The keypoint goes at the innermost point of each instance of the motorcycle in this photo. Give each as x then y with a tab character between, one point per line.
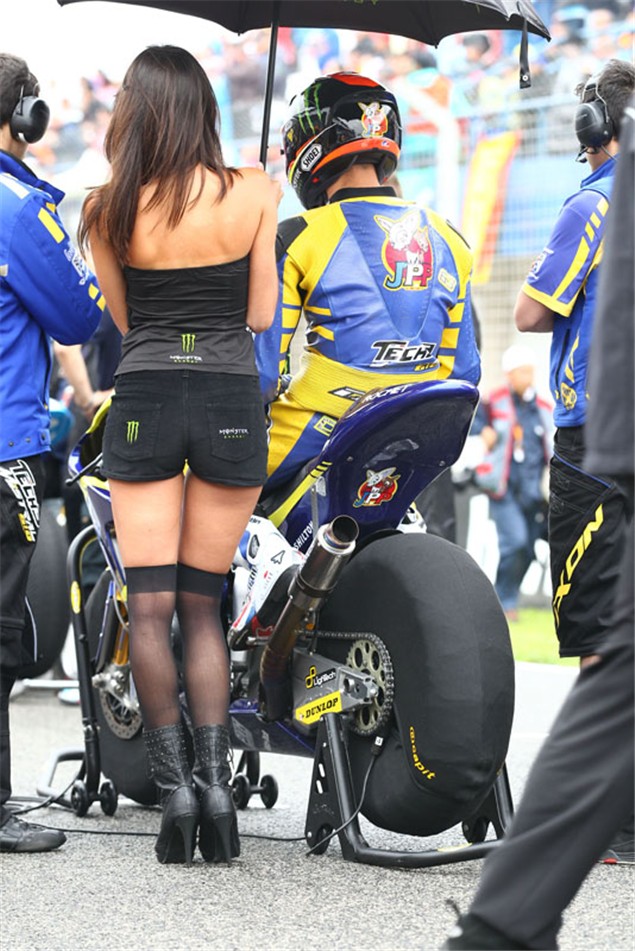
356	639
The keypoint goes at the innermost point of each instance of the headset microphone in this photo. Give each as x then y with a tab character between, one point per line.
30	118
581	156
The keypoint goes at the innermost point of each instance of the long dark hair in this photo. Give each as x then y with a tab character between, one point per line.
165	124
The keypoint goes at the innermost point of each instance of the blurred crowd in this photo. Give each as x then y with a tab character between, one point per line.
467	75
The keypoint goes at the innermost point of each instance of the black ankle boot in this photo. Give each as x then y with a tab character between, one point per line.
218	833
169	768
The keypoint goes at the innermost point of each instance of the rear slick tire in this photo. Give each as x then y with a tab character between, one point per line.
437	614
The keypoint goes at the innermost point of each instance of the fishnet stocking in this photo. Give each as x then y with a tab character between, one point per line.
152	661
205	658
205	655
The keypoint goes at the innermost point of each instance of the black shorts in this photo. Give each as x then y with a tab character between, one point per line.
160	420
587	516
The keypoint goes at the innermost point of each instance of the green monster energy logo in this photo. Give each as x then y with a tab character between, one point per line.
187	342
132	430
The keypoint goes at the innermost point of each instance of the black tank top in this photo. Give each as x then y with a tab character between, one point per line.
188	318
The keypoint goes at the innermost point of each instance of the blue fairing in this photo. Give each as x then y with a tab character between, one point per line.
381	455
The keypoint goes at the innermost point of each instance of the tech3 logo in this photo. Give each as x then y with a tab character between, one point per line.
19	479
574	558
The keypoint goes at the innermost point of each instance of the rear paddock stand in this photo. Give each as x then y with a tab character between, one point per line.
331	806
86	788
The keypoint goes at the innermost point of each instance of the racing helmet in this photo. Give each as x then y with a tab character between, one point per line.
338	120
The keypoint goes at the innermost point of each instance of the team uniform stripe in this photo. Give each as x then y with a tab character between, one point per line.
51	225
449	338
322	311
323	331
576	266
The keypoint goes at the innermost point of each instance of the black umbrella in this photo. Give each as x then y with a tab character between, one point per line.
426	21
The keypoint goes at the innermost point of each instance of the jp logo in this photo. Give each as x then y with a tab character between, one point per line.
407	252
379	487
374	118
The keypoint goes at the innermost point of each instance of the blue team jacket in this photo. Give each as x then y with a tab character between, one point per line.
46	291
565	279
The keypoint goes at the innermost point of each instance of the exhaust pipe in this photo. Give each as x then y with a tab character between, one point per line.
310	587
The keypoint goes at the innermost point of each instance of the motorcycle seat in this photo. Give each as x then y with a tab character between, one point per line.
439	411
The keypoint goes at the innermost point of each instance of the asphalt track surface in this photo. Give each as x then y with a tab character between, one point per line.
105	890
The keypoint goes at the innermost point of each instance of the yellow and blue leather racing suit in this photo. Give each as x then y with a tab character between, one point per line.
384	286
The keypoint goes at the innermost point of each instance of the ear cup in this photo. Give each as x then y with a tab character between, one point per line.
30	119
593	126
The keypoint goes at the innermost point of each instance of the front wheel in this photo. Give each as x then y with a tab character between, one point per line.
121	748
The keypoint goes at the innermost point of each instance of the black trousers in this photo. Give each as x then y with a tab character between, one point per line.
578	796
586	519
21	489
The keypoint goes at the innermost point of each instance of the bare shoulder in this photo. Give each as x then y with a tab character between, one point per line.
259	184
252	174
253	177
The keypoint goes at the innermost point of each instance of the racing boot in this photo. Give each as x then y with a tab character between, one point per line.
218	834
169	767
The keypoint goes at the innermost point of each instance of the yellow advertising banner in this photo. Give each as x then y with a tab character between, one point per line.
484	200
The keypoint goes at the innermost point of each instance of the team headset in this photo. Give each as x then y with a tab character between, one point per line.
30	118
593	125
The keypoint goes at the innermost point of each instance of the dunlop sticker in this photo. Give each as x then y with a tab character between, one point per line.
311	712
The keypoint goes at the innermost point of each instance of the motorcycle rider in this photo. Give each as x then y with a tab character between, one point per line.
384	284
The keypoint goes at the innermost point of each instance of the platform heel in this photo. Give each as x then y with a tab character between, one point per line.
169	768
218	839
